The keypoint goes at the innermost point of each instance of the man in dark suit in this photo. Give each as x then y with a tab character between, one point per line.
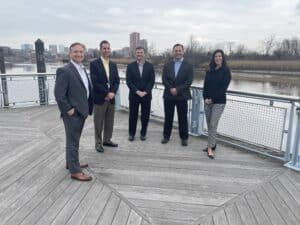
73	96
140	78
105	79
177	78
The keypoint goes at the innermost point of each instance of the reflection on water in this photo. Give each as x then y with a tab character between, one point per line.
269	84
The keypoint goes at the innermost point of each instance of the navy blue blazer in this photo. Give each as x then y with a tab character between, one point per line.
182	82
137	82
101	85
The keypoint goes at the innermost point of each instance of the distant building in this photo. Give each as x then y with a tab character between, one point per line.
125	52
62	49
143	43
26	47
53	49
134	42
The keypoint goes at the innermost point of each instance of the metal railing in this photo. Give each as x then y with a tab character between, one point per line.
261	123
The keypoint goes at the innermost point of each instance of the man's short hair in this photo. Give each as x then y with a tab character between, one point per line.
103	42
139	48
176	45
76	43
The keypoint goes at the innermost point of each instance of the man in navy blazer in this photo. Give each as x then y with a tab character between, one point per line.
105	79
73	95
140	78
177	78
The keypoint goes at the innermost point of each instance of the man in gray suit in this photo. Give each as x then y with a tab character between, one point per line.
73	96
177	78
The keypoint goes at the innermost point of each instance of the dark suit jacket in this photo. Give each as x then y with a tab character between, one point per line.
136	82
70	91
101	85
182	82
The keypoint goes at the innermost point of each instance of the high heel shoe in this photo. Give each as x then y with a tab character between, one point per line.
213	148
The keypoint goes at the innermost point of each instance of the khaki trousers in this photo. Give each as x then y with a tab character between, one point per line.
103	117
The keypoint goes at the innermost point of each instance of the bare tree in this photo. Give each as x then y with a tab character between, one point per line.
268	44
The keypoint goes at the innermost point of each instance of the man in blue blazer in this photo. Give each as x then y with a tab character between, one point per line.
177	78
140	78
105	79
73	95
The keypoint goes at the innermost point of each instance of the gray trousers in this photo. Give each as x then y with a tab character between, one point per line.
213	114
73	129
103	117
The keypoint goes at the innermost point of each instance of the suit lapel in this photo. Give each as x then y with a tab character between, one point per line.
75	71
103	68
172	69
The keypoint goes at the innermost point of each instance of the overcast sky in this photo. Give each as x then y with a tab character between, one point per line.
162	23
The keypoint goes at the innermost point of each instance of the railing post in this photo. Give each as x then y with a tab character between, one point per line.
196	126
289	136
118	100
41	68
295	162
3	79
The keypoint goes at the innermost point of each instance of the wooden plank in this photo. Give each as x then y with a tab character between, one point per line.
97	208
245	212
287	183
287	197
144	222
232	214
279	203
70	207
85	204
134	218
122	214
38	204
269	208
219	218
17	172
110	210
59	204
208	220
257	209
39	175
174	195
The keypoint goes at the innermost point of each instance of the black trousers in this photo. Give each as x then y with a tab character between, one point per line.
134	103
182	109
73	129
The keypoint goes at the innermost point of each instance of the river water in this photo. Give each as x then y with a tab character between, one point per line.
259	83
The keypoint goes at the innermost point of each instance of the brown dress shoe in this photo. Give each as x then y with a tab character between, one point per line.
84	165
81	177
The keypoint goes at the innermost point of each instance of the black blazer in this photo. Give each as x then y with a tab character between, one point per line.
136	82
70	91
101	85
182	82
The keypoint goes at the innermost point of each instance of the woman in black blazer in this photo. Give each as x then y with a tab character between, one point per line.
216	82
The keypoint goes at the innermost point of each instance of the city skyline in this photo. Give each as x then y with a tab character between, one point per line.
162	23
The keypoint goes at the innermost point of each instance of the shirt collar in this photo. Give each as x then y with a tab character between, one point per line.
103	59
178	60
78	66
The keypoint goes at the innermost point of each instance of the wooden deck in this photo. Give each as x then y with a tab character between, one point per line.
138	183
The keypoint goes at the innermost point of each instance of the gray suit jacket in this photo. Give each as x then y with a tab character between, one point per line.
70	91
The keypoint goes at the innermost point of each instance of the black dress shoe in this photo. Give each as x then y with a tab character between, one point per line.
143	138
184	142
131	138
100	148
213	148
165	140
85	165
110	144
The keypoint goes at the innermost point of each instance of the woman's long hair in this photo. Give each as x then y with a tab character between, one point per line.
212	64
